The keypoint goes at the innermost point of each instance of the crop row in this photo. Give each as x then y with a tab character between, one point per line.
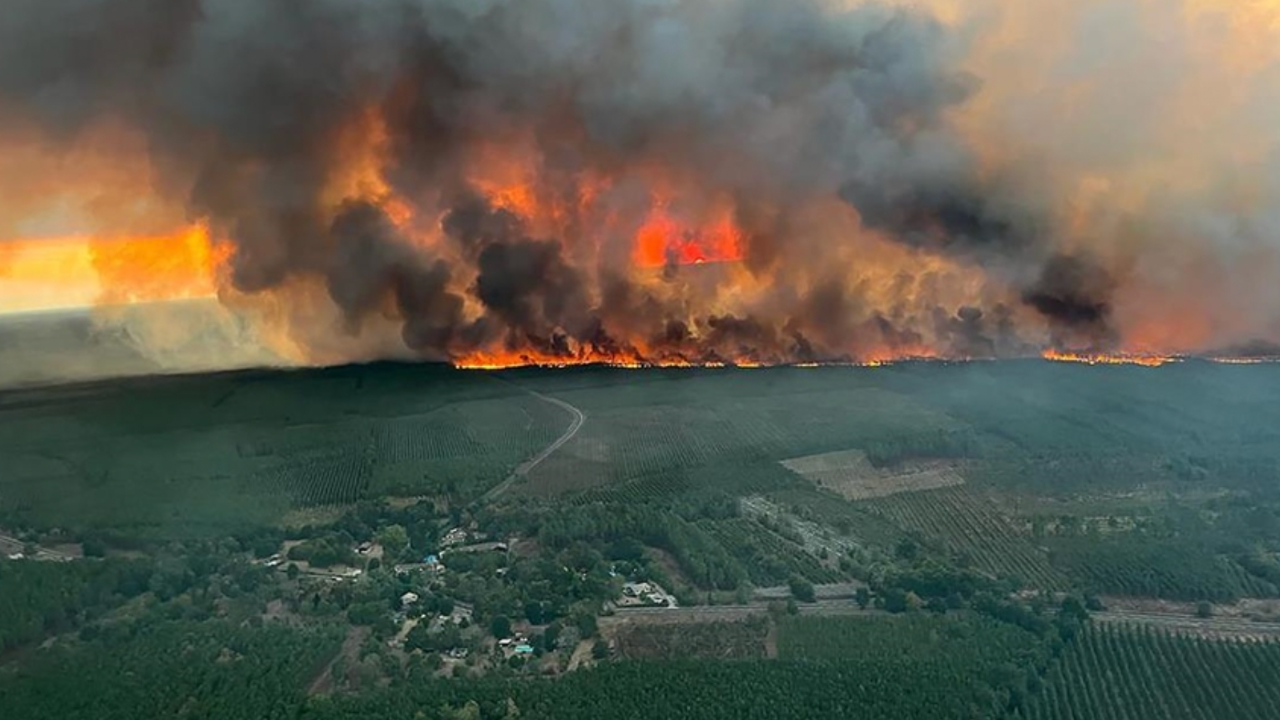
638	490
1150	568
338	480
769	558
1122	673
955	517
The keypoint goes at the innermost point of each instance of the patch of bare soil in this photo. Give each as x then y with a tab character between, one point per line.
581	655
850	474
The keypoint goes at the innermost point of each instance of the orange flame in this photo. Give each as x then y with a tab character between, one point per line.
663	240
1106	359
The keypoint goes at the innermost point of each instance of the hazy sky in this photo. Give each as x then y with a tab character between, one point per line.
46	275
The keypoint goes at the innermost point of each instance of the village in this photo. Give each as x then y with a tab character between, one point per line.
434	616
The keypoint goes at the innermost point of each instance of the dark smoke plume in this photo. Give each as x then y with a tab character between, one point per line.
248	107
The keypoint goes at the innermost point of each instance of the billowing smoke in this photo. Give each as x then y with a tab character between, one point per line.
671	180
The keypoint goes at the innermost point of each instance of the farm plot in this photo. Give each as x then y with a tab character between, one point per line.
626	444
1113	672
813	536
177	456
713	640
851	474
343	478
769	558
960	641
1155	568
721	437
941	667
645	489
968	526
828	510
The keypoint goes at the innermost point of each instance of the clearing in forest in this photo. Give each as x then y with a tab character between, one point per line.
850	474
724	639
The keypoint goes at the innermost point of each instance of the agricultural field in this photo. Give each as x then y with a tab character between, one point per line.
969	527
960	665
720	424
851	474
1136	673
1169	569
768	558
187	456
969	642
199	669
722	640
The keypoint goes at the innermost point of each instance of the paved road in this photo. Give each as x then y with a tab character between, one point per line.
527	466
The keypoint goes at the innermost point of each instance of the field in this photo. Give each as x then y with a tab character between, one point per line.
851	474
971	642
201	455
869	455
1118	673
968	526
716	640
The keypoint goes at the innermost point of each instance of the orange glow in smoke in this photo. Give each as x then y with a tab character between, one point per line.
662	240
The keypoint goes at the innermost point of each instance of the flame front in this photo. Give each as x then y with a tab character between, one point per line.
1105	359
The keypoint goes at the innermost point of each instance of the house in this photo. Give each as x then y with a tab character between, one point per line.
364	548
433	563
408	599
456	536
637	589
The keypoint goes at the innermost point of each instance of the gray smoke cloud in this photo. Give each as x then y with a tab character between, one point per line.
782	108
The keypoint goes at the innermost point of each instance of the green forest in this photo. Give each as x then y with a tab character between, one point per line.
1005	541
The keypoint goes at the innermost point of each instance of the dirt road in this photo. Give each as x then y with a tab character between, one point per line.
527	466
1219	628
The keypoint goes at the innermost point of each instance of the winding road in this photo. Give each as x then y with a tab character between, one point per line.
526	467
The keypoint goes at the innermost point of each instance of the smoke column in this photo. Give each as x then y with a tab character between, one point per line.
678	181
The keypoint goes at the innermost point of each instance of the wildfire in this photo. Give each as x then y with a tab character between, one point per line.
662	240
1108	359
